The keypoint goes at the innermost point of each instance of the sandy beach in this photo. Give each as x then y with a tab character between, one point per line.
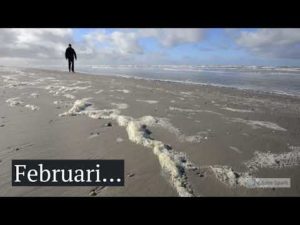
176	139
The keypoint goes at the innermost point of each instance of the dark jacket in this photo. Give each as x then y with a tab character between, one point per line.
70	53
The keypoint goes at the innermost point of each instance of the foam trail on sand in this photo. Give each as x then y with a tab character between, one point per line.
230	177
122	90
60	89
120	105
58	102
69	96
79	105
34	95
14	101
193	110
32	107
98	92
17	102
258	124
186	93
172	163
147	101
237	110
165	123
235	149
273	160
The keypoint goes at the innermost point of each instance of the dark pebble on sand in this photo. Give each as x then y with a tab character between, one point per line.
108	124
183	160
17	149
200	174
168	147
236	175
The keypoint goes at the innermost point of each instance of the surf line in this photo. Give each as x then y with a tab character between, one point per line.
173	163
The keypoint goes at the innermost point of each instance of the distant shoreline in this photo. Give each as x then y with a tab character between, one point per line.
254	91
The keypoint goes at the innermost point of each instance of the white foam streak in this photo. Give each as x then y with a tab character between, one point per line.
32	107
193	110
237	110
14	101
230	177
258	124
79	105
172	163
147	101
120	105
273	160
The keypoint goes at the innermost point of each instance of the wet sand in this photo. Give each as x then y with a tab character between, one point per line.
176	139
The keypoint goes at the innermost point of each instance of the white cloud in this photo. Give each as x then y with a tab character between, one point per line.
170	37
34	43
100	36
118	42
126	42
30	46
277	43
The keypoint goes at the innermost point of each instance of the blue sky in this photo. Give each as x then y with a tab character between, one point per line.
274	47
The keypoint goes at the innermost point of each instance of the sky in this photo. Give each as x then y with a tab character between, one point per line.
159	46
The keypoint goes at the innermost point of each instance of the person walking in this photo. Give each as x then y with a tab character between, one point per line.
70	55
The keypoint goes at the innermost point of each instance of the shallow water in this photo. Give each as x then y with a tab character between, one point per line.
280	80
277	80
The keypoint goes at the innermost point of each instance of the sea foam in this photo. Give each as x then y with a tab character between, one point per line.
273	160
232	178
258	124
173	163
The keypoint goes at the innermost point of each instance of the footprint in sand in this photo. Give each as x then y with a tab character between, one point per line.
109	124
95	191
94	134
130	175
201	173
19	147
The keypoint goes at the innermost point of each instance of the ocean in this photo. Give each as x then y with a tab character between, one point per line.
280	80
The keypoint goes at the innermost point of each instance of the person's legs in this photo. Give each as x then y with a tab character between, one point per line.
73	65
69	61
